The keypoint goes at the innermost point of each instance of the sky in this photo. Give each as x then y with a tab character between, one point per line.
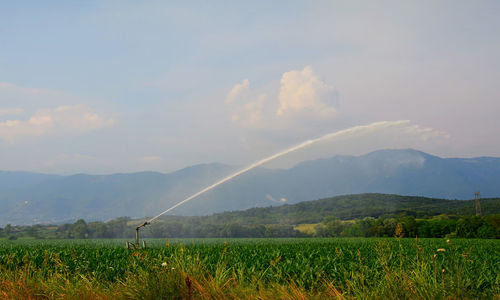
124	86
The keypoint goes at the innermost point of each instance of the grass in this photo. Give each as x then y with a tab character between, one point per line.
251	269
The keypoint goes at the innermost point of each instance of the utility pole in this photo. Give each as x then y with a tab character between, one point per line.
477	196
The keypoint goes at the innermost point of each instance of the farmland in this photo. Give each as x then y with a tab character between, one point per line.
251	268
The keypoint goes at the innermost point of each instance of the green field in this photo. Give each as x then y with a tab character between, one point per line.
251	268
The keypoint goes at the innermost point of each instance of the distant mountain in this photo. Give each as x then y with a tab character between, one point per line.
403	172
102	197
30	198
10	180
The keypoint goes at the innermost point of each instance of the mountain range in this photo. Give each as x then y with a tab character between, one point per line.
28	198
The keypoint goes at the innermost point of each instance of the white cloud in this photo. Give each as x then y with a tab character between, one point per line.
303	92
302	95
10	111
271	198
246	109
237	90
59	121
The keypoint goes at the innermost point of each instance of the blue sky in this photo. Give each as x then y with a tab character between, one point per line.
122	86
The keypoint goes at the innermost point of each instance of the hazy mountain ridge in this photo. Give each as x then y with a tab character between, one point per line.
11	180
52	198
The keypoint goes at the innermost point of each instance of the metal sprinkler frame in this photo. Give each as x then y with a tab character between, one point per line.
136	244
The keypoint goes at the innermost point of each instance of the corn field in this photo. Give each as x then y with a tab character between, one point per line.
308	268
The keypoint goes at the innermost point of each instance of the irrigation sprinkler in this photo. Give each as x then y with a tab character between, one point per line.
136	244
352	130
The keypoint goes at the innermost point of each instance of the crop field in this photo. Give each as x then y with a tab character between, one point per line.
306	268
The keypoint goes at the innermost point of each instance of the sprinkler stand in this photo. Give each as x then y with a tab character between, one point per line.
136	244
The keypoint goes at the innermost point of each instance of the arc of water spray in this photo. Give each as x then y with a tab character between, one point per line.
375	125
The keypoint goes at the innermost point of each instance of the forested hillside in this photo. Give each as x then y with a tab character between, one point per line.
351	215
349	207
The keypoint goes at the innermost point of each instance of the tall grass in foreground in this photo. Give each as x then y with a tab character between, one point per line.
255	269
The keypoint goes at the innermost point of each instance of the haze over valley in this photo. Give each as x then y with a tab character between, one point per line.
30	198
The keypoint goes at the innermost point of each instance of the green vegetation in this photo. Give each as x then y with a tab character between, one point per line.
365	215
359	206
251	268
65	262
408	226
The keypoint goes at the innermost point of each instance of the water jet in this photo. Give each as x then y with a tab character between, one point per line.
352	130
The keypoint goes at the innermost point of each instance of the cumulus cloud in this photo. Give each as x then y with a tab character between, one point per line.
238	90
301	95
303	92
246	109
60	120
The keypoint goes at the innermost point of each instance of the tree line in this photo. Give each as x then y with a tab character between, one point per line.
407	226
330	226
